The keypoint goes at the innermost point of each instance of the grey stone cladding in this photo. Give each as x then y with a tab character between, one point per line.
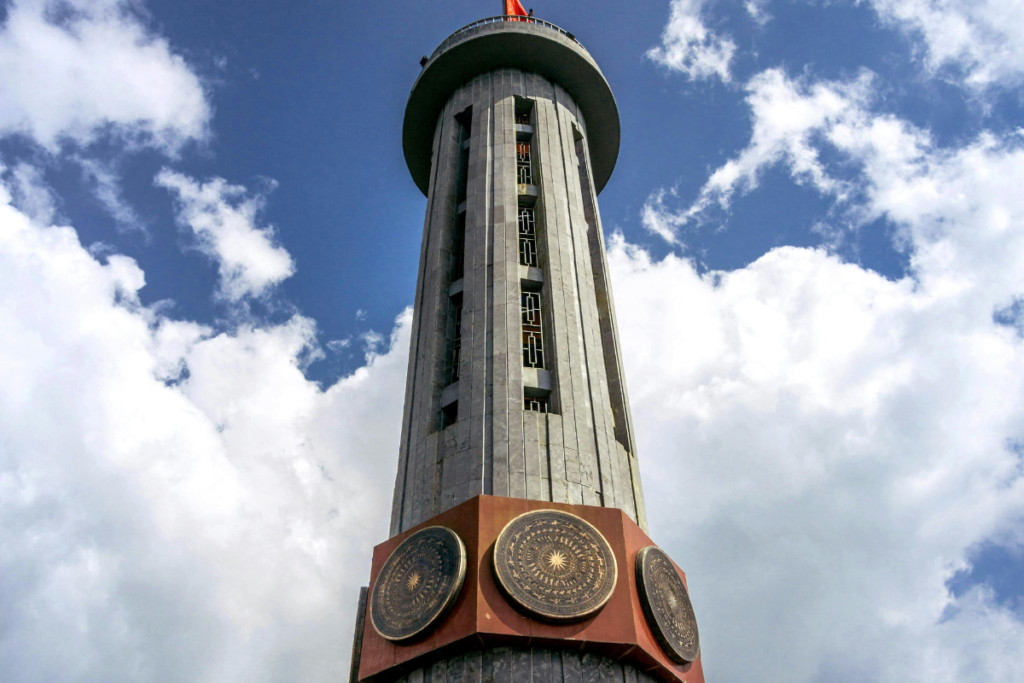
525	665
583	450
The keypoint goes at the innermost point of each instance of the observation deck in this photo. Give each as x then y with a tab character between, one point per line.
525	43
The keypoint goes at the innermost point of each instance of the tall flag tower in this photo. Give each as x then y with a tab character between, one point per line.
518	549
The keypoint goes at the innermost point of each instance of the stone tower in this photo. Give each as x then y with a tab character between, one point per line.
515	397
515	384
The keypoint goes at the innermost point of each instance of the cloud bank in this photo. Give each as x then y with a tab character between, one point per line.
849	441
178	503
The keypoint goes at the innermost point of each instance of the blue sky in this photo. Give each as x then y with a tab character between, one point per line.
208	248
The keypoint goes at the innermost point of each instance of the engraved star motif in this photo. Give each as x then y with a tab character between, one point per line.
412	581
556	559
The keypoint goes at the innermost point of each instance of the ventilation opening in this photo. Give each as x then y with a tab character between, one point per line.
449	415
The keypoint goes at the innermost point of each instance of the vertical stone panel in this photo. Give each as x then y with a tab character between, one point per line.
532	453
501	665
504	221
589	353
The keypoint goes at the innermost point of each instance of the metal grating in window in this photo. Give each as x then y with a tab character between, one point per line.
457	344
527	238
537	405
533	342
524	166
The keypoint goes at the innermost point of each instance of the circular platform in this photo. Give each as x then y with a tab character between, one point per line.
418	583
555	565
534	46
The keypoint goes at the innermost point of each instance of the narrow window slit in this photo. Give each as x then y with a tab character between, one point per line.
449	415
524	164
456	357
527	237
533	340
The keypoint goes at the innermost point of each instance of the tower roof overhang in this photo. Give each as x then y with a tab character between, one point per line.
534	46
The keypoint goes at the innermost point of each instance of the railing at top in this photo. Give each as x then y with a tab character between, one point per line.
494	20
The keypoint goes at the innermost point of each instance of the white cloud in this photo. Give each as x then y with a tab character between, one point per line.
106	187
31	194
846	438
103	71
984	39
821	448
978	42
690	47
178	504
223	219
787	115
757	9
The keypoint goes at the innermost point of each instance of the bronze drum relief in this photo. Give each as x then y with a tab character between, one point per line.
418	583
667	605
554	565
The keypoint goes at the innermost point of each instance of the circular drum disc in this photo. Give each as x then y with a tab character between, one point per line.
418	584
667	605
555	565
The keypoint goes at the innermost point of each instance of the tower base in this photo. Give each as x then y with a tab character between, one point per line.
484	631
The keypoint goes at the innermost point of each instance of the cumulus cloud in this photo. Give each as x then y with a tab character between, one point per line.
787	116
690	47
179	503
822	448
849	439
223	218
983	40
104	72
978	42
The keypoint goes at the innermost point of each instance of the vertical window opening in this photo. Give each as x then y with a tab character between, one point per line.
524	163
459	247
455	359
465	121
533	333
612	366
524	142
449	415
528	237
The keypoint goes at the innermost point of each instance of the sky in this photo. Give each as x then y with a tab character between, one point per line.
208	249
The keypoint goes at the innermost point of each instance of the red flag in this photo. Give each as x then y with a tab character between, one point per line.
515	8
